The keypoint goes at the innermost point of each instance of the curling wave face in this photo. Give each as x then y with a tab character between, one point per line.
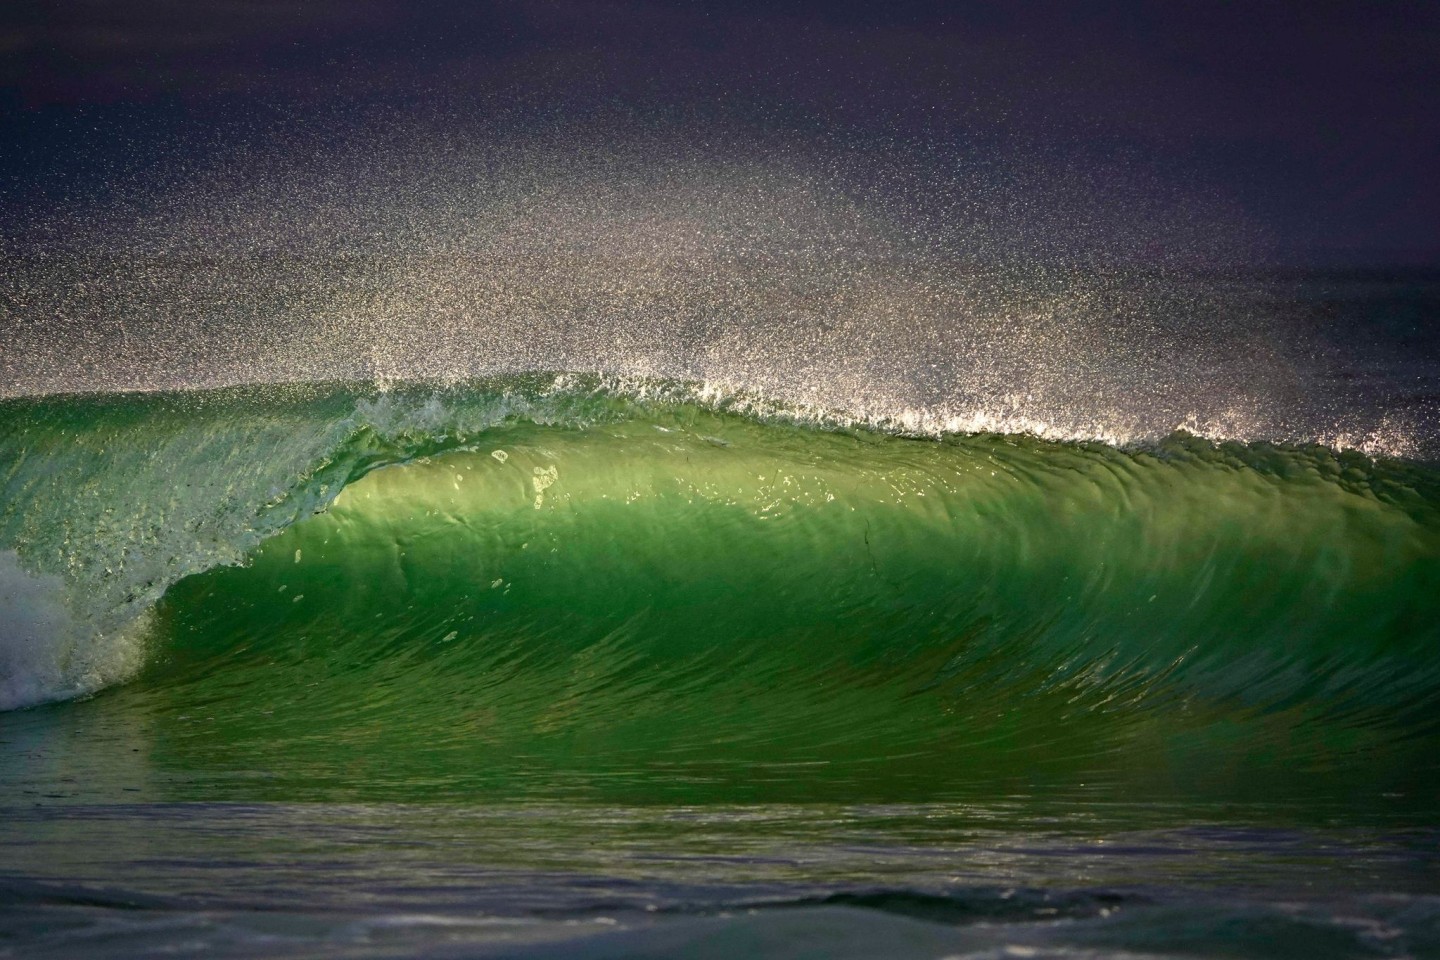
570	587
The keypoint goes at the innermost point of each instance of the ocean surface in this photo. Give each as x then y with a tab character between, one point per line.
576	661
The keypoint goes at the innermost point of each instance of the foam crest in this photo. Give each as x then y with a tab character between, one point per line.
44	653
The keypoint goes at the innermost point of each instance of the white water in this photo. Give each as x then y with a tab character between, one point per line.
44	653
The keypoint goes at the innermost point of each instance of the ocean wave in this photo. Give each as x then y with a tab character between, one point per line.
713	537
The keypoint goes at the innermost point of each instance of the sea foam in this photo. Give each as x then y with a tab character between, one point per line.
40	658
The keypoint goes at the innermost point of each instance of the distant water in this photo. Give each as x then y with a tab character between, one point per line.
611	666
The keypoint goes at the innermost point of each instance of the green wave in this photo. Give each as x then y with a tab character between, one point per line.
561	587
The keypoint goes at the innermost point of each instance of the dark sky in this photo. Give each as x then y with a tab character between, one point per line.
1317	118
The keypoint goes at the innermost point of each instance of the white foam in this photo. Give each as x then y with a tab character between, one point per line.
45	653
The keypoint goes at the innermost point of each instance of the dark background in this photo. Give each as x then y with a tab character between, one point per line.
1317	119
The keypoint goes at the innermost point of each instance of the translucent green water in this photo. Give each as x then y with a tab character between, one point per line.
544	600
